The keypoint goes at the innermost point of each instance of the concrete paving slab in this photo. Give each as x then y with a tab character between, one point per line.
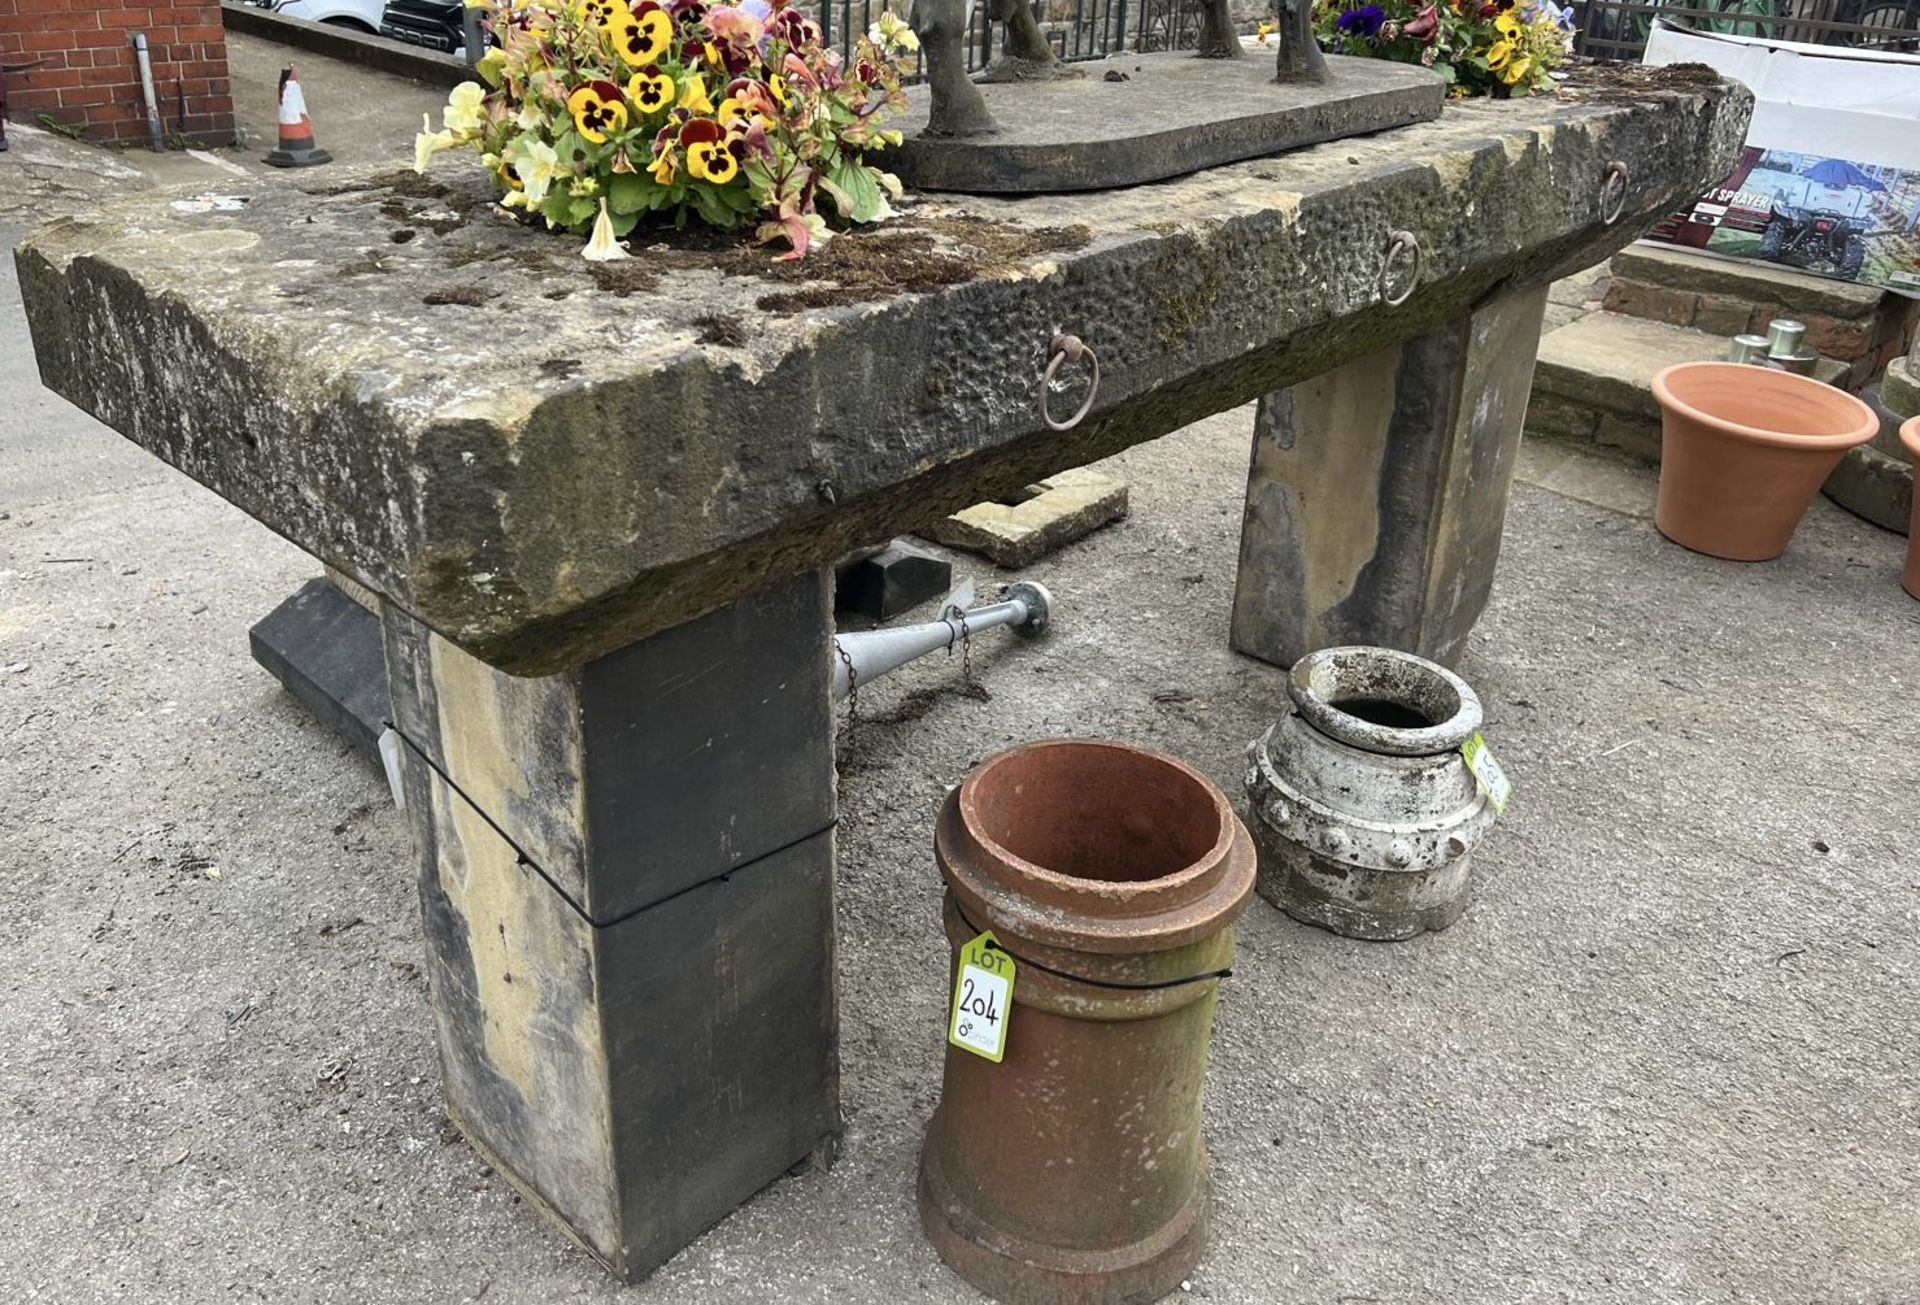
1608	482
1607	360
1594	379
1045	518
1664	1057
1582	290
1559	315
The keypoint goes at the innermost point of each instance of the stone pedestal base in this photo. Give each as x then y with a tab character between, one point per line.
626	884
1378	491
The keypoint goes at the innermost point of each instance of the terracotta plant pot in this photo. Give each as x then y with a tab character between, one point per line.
1073	1172
1743	450
1910	578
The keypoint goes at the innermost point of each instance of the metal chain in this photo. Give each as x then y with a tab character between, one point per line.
853	697
970	687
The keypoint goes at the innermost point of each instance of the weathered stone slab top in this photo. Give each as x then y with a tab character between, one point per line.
1146	117
545	459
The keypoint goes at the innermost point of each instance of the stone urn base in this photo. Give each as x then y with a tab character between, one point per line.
1875	481
1910	579
1360	803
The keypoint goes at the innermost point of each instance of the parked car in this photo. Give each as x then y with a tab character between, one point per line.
361	15
431	24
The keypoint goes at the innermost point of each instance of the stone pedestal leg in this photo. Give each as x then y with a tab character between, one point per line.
1378	490
626	881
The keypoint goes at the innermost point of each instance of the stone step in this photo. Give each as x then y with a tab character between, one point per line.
1722	281
1594	379
1862	326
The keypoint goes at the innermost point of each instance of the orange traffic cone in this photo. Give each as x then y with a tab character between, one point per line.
297	149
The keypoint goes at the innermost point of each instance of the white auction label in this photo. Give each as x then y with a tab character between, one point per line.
1486	769
982	999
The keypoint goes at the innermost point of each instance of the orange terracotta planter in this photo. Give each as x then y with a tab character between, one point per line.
1743	450
1910	578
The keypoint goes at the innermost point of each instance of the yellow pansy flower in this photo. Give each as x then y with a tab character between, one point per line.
537	165
640	39
693	95
597	111
429	142
712	161
492	65
733	108
892	30
650	92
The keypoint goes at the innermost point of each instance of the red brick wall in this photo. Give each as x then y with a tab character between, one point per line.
73	61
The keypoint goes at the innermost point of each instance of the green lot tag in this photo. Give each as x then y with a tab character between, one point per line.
982	999
1493	779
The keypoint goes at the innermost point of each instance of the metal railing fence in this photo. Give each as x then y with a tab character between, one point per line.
1618	29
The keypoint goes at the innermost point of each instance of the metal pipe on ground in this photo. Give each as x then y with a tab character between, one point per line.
863	657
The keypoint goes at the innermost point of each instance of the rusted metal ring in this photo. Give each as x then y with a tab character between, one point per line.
1069	349
1402	246
1613	193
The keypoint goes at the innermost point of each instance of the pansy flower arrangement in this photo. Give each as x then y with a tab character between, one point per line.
1479	47
596	114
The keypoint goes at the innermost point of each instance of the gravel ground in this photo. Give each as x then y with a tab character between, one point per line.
1667	1055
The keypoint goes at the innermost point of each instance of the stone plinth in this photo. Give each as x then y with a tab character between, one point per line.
544	466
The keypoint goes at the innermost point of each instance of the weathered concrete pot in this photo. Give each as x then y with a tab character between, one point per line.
1073	1171
1875	480
1743	450
1362	807
1910	578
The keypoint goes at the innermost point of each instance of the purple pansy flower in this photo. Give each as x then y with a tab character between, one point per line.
1364	21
